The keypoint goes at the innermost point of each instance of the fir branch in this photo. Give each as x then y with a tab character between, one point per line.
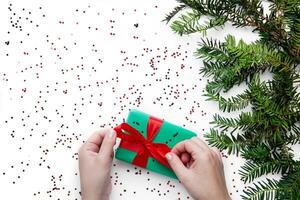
289	185
258	153
233	103
211	23
294	135
224	123
174	12
187	23
264	134
222	141
211	50
262	190
250	170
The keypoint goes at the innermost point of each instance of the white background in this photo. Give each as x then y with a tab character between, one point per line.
38	156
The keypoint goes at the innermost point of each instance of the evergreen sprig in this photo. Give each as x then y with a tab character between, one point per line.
252	170
232	144
263	135
267	189
233	103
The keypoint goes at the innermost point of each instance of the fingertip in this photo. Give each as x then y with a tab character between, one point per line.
110	136
169	156
108	143
112	133
176	164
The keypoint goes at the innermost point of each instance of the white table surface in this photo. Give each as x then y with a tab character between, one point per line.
72	67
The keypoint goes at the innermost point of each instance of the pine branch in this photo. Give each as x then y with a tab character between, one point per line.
222	141
262	190
187	23
174	12
233	103
252	170
289	185
265	134
211	23
224	123
211	50
294	135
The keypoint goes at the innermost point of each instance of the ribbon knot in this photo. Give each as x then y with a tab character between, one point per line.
133	140
148	144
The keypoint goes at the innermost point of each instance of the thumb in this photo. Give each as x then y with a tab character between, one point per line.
106	149
176	164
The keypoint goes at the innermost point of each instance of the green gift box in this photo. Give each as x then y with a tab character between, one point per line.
166	136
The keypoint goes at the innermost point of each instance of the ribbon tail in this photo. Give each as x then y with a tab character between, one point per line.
141	159
159	151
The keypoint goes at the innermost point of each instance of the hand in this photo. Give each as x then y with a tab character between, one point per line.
95	159
200	169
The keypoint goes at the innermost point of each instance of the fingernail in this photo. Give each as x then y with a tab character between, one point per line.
112	133
169	156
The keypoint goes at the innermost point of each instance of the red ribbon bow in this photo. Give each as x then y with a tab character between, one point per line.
144	147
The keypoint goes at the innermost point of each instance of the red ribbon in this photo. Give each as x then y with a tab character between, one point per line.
144	147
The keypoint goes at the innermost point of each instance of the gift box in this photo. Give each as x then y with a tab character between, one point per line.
146	139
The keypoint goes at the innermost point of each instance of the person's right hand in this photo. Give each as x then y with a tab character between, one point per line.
199	168
95	160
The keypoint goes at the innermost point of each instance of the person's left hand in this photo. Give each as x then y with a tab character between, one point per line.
95	159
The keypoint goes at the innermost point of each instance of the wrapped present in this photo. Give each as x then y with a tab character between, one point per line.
146	139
